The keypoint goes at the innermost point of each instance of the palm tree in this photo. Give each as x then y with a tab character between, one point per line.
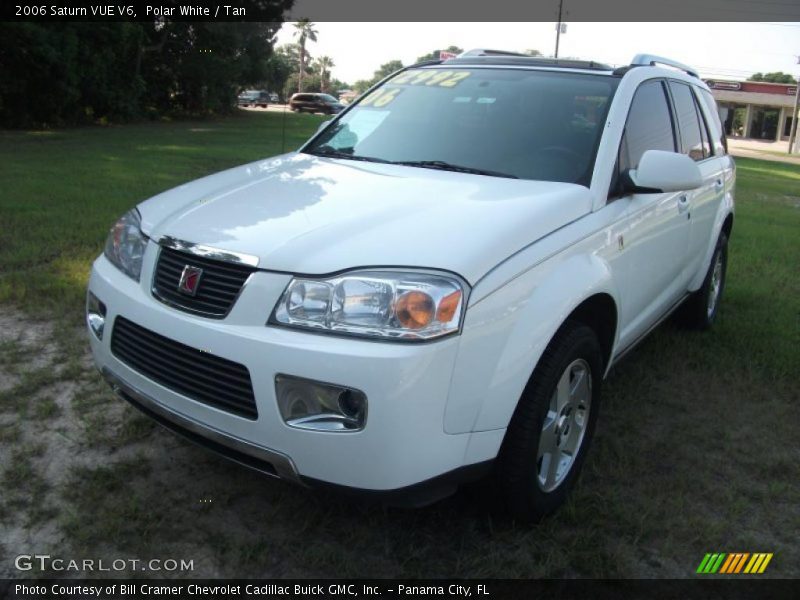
325	64
304	30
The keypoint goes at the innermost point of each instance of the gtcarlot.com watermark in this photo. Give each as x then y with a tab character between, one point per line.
48	563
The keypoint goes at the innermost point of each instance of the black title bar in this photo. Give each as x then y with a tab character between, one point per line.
401	11
253	589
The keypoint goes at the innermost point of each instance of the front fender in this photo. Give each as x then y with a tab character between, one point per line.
506	332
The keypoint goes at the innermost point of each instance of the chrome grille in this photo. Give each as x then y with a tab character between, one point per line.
217	291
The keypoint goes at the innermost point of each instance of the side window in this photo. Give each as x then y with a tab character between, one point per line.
714	122
693	142
649	125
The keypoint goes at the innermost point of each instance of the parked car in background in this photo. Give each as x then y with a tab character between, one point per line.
315	103
347	96
434	287
258	98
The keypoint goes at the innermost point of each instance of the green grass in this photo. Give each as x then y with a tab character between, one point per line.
62	190
696	449
776	153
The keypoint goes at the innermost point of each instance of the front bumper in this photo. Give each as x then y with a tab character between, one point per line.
403	442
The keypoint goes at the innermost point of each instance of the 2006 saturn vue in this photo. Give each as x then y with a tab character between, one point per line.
434	286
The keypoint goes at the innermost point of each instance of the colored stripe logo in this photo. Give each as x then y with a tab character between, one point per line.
734	563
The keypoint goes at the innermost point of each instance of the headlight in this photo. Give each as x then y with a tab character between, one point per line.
404	306
126	243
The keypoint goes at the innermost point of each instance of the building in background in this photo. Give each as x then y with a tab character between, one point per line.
755	109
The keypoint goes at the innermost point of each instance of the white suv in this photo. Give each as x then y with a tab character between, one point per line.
434	286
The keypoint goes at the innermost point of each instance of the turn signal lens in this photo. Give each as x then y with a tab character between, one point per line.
448	307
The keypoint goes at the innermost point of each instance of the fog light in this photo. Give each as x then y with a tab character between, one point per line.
95	315
307	404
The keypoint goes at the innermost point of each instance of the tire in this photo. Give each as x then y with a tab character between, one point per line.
546	423
700	309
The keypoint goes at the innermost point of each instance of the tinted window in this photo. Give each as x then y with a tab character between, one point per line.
714	122
690	127
649	125
526	123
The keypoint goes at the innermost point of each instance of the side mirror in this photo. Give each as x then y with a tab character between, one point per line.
323	125
661	171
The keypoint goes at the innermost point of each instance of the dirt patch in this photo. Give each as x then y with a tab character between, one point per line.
84	475
46	381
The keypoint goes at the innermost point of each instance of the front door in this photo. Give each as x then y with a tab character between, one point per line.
656	236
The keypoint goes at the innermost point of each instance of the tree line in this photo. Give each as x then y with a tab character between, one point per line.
71	73
774	77
56	74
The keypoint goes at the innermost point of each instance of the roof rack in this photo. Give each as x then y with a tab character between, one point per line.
487	52
504	58
651	60
528	61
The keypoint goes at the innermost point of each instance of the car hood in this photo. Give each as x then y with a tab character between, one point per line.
304	214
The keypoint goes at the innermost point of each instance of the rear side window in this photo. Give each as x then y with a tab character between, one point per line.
693	142
649	125
714	121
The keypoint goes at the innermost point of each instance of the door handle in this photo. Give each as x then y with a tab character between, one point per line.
683	203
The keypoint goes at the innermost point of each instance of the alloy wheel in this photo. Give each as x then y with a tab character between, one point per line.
564	425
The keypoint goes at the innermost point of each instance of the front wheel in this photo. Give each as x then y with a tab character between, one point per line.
549	434
701	307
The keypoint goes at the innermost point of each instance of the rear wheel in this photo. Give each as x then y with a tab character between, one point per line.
701	308
551	429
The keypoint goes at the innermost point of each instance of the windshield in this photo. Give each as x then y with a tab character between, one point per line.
529	124
328	98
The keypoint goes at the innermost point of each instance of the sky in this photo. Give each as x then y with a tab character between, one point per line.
718	50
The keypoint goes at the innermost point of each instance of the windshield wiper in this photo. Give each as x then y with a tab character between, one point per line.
329	152
446	166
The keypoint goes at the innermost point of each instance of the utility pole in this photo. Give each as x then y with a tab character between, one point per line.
558	25
793	136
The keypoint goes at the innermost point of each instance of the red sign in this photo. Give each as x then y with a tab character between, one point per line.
725	85
446	55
